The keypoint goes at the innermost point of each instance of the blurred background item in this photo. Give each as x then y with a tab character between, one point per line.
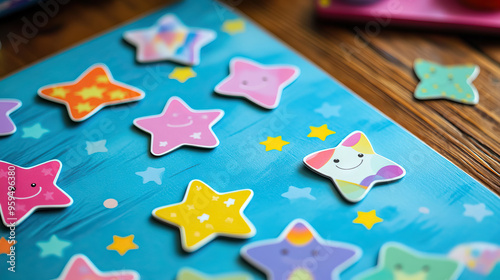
483	4
9	6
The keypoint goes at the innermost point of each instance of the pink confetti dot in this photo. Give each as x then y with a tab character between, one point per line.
110	203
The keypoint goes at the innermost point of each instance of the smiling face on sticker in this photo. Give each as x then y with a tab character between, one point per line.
354	166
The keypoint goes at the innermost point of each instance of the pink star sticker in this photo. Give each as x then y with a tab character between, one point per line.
29	183
174	127
169	39
260	84
80	267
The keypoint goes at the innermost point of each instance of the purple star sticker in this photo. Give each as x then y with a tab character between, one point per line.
291	254
7	106
260	84
179	125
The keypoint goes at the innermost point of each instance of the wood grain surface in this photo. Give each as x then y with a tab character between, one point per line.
373	59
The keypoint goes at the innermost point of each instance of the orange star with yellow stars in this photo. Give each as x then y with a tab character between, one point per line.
90	92
5	246
205	214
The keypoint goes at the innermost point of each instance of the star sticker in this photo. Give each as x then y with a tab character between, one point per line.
5	245
275	143
320	132
354	167
260	84
176	124
123	244
88	94
30	182
478	211
191	274
151	175
396	261
446	82
368	219
295	193
96	147
233	26
328	110
182	74
53	247
197	203
7	106
35	131
291	254
80	267
169	39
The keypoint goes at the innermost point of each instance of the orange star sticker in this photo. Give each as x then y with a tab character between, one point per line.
94	89
5	246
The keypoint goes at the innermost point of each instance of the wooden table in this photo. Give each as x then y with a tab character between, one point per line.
375	65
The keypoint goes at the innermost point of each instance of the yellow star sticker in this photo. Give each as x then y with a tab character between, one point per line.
102	79
368	219
83	107
233	26
117	94
90	92
201	219
123	244
275	143
182	74
320	132
59	92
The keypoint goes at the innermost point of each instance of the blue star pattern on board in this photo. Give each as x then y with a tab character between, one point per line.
328	110
96	147
151	175
35	131
295	193
477	211
53	247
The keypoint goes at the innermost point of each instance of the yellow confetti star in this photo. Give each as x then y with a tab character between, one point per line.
182	74
275	143
91	92
123	244
117	94
368	219
201	219
233	26
320	132
83	107
59	92
102	79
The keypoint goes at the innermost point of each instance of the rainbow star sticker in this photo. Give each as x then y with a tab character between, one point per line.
205	214
90	92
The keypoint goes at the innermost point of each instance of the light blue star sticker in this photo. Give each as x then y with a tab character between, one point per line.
151	174
54	246
328	110
96	147
478	211
295	193
36	131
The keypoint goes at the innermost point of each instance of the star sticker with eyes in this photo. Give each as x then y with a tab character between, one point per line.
27	186
179	125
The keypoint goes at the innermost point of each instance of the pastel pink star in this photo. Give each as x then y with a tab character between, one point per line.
80	267
30	184
260	84
177	124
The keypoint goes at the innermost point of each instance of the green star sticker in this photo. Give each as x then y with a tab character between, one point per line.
54	246
400	262
191	274
446	82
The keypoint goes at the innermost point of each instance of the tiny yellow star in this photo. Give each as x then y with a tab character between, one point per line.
102	79
368	219
182	74
320	132
233	26
122	244
59	92
91	92
83	107
117	94
275	143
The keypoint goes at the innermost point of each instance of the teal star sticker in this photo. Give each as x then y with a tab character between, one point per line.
54	246
296	193
400	262
191	274
446	82
151	175
35	131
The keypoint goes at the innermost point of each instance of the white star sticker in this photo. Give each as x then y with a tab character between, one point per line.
196	135
229	202
203	217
